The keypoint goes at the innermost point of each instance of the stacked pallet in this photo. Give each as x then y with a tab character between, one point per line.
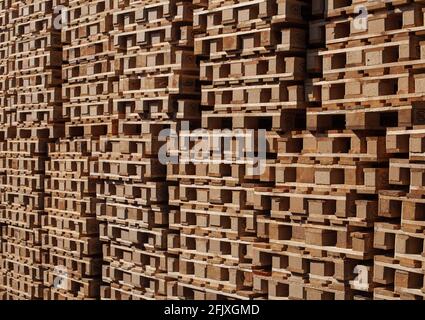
325	201
72	239
157	89
252	70
5	47
33	105
282	266
368	85
398	268
89	84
